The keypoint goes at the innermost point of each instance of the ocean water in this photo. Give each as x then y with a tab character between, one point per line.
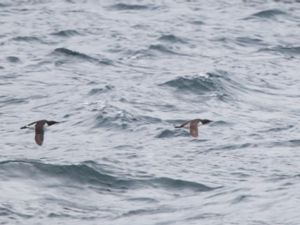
119	75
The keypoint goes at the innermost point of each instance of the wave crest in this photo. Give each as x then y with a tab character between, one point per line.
90	173
70	54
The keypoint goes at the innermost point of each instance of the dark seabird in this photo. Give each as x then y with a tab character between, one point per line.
193	125
39	129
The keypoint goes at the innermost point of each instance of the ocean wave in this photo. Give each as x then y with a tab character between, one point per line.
278	129
246	41
287	50
124	6
199	84
172	133
101	90
4	5
27	39
13	59
174	184
66	33
112	117
11	100
271	13
171	38
78	55
217	84
166	134
90	173
147	211
7	211
68	52
165	49
81	174
285	143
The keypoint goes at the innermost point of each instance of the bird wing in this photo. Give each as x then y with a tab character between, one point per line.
182	125
194	128
39	133
28	125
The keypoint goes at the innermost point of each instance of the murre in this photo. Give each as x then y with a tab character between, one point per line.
39	129
193	125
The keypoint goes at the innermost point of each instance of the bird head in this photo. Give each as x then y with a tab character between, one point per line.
51	122
205	121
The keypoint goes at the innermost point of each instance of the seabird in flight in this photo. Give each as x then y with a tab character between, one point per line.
39	129
193	125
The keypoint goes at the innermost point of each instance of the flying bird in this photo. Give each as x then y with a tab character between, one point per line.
193	125
39	129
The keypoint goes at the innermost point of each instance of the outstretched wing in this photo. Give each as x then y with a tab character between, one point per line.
39	133
194	128
28	125
182	125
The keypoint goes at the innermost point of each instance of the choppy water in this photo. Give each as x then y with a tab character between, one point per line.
120	75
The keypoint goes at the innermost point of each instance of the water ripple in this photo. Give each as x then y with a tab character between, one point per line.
124	6
288	50
27	39
13	59
271	13
70	54
171	38
66	33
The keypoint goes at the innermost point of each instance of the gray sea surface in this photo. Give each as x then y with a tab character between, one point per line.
119	75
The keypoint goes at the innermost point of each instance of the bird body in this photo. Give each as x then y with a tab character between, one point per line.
192	125
39	127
